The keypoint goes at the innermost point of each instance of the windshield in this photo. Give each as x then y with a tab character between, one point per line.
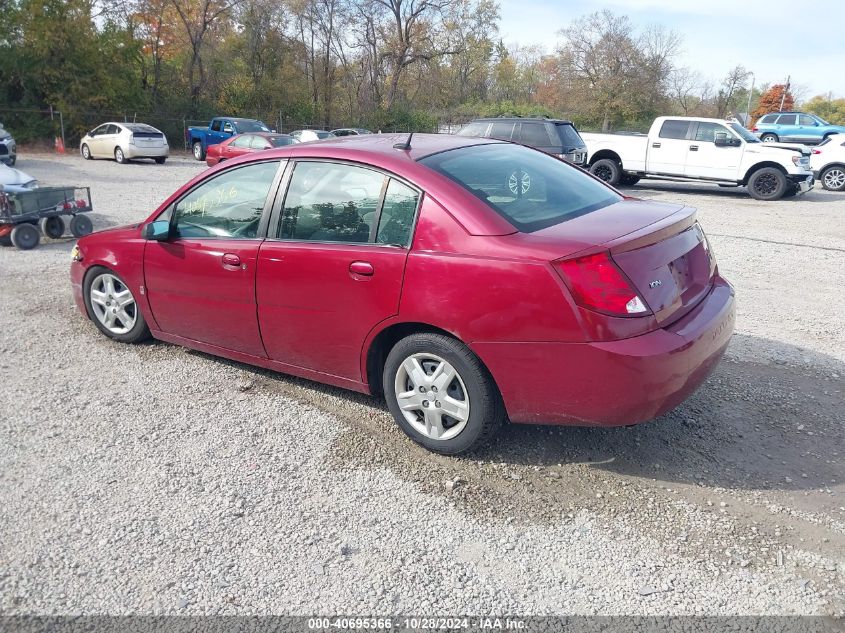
747	136
246	125
529	188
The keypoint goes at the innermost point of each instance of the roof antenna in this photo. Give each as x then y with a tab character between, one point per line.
406	145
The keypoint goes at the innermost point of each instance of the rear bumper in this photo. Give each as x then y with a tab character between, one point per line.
133	151
613	383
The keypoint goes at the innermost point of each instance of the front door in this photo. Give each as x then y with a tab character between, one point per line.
201	283
333	267
707	160
667	154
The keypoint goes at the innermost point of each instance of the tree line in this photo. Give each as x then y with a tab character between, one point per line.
383	64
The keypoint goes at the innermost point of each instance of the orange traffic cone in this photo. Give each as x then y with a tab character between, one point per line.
60	147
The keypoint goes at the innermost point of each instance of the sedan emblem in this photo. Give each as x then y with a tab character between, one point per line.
655	283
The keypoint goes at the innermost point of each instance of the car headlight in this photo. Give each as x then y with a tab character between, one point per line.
76	253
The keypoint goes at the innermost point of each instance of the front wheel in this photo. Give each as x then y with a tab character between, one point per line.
833	178
112	307
119	156
199	153
440	394
769	138
768	183
607	170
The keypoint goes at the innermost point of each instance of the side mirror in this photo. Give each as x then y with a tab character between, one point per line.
158	231
721	139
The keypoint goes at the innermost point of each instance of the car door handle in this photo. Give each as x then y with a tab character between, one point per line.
693	148
655	145
362	268
230	259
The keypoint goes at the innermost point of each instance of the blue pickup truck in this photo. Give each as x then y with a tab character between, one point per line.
220	128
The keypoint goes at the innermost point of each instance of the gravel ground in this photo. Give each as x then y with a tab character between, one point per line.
151	479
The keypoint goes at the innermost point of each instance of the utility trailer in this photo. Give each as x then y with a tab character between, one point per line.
26	214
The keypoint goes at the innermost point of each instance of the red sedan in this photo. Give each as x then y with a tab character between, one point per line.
242	144
470	281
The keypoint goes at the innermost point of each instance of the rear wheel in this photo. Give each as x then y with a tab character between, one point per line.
833	178
768	183
607	170
25	237
86	152
769	138
199	152
112	307
119	156
440	394
80	225
53	227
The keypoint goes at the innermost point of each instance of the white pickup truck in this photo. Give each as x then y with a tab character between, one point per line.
701	150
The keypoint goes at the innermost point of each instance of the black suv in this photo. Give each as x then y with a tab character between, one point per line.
553	136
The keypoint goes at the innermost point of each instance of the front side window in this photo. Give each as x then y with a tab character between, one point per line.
806	120
100	130
787	119
396	222
528	188
331	202
227	128
674	129
244	140
228	205
706	132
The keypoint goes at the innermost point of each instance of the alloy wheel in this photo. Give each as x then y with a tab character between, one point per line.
834	179
766	184
432	396
113	304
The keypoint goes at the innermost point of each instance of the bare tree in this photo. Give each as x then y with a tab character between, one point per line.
684	87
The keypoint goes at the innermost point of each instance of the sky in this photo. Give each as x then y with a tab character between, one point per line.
773	39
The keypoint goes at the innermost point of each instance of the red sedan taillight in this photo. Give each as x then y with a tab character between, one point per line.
597	284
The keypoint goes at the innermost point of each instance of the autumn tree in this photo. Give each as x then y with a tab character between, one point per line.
830	109
770	101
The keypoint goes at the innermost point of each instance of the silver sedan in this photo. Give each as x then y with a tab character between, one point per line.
124	142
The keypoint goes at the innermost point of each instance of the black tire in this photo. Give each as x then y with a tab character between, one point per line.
473	383
53	227
160	161
119	156
25	237
768	183
833	178
199	152
769	138
139	331
86	152
629	180
80	225
607	170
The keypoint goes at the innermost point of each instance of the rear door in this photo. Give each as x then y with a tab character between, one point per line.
201	284
787	128
707	160
334	265
667	154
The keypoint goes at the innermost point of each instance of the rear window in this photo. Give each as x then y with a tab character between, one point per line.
474	129
530	189
324	135
141	130
787	119
281	141
674	129
569	137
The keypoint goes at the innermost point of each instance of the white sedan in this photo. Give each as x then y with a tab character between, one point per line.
828	162
124	142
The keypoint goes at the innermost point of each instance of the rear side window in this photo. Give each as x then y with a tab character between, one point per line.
474	129
787	119
674	129
397	214
215	125
501	131
769	118
569	137
530	189
534	134
242	141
